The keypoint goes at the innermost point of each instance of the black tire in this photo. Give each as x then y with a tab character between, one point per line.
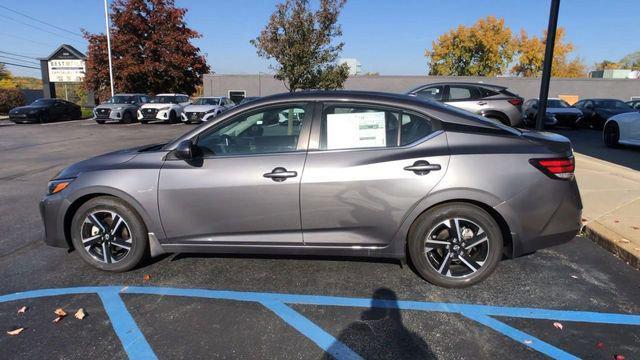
172	117
127	118
44	118
136	231
611	135
144	121
487	252
100	121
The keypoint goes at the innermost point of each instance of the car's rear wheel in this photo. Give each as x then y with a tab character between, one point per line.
611	135
108	234
455	245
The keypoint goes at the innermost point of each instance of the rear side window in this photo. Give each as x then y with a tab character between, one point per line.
414	128
353	127
463	92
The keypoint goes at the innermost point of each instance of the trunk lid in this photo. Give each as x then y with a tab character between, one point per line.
554	142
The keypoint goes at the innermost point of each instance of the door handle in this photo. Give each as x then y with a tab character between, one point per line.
482	103
280	174
422	167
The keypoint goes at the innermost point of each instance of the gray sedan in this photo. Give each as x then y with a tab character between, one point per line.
326	173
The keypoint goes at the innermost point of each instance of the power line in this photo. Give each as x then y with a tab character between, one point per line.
24	66
42	22
20	55
24	39
18	59
38	28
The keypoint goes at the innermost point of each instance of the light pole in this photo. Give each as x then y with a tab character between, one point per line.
548	60
106	21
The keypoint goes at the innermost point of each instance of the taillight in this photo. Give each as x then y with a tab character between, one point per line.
556	168
515	101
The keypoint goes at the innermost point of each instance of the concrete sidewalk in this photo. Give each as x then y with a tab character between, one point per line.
611	199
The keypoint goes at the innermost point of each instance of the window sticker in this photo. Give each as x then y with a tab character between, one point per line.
356	130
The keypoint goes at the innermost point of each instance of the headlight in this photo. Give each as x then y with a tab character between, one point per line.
164	108
55	186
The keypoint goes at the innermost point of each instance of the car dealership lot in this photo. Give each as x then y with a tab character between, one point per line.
578	276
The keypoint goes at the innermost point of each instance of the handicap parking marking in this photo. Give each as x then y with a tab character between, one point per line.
136	346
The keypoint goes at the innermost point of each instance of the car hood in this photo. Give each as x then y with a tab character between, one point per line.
112	106
200	108
22	109
101	162
573	111
156	106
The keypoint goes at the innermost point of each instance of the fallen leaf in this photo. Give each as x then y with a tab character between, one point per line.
600	345
57	319
616	221
573	276
60	312
624	241
557	325
146	278
528	342
22	310
80	314
618	357
584	220
637	249
15	332
635	228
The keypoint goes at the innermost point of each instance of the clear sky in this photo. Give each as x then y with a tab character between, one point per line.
388	37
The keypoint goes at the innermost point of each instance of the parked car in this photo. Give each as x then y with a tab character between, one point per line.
491	101
363	174
45	110
622	129
559	113
634	104
206	108
121	108
597	111
247	99
165	107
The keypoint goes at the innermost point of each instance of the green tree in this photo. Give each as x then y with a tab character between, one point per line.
301	41
151	47
608	65
3	71
484	49
530	56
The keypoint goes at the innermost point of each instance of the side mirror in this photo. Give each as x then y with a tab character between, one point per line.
187	150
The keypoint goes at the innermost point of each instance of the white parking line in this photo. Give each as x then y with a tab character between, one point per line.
65	122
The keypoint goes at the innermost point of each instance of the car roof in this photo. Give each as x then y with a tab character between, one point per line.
130	94
172	95
491	86
598	99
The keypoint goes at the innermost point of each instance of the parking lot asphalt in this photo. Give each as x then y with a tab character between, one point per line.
226	306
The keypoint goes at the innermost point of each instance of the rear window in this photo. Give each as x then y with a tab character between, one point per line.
509	93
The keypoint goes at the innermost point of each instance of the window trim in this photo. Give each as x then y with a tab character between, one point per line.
303	137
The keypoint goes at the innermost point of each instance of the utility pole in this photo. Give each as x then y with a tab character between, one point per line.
106	20
548	61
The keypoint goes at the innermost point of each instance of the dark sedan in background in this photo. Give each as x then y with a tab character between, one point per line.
45	110
559	113
597	111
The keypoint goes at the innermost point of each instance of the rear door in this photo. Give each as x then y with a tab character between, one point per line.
466	97
366	168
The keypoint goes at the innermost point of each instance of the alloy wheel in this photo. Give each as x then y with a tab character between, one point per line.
457	248
106	236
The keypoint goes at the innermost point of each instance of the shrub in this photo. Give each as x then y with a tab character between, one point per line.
10	98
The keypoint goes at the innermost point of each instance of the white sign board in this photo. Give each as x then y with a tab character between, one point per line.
356	130
66	70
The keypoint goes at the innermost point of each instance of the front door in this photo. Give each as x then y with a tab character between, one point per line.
245	189
372	165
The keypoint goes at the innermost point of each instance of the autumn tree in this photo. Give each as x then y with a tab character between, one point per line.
484	49
302	43
608	65
530	56
151	47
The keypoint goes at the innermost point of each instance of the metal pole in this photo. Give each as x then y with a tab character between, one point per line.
106	21
548	61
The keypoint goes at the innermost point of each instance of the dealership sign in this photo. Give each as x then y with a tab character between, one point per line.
66	70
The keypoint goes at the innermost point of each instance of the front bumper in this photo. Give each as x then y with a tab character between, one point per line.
101	114
146	115
24	118
52	210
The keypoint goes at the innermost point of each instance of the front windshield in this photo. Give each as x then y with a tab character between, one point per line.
207	101
553	103
164	100
612	104
120	99
42	102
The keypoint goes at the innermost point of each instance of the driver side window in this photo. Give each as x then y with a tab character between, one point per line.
271	130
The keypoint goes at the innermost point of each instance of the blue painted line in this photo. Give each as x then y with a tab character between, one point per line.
521	337
312	331
132	339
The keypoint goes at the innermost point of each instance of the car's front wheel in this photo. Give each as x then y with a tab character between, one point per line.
109	234
611	135
455	245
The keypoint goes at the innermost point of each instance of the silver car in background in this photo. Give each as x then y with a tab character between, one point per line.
206	108
491	101
326	173
122	108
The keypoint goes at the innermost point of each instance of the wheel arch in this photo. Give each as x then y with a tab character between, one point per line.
495	114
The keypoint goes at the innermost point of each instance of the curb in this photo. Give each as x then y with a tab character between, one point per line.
613	242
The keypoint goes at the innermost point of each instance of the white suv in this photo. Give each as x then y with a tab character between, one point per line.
165	107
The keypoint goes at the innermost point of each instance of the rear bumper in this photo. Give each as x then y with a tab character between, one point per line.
52	210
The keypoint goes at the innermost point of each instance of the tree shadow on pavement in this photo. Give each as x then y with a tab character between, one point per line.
380	334
589	142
